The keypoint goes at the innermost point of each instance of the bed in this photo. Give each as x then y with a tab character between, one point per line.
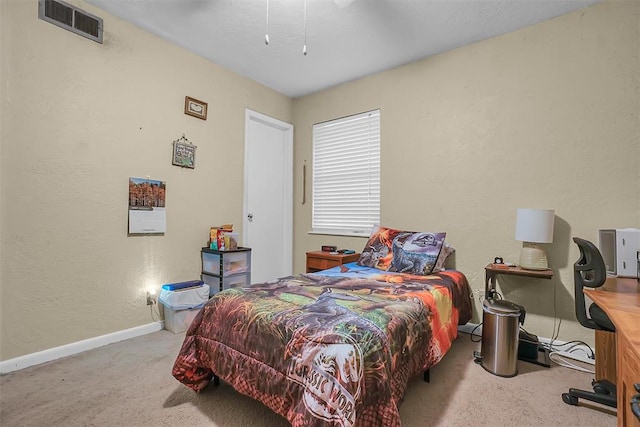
336	347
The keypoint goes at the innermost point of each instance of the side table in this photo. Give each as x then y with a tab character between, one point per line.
490	273
319	260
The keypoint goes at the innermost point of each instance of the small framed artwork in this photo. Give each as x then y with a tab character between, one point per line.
195	108
184	153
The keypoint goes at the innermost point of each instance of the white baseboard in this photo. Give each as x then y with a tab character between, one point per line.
39	357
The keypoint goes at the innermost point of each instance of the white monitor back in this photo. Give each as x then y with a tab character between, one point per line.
619	248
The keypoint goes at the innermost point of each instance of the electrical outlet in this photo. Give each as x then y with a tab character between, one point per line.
151	299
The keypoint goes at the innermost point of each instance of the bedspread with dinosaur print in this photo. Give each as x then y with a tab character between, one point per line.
334	348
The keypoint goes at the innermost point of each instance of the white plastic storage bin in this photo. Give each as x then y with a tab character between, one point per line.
213	282
226	269
210	263
182	305
235	281
233	262
227	282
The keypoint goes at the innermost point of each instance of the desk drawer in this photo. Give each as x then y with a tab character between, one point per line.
226	262
317	260
321	264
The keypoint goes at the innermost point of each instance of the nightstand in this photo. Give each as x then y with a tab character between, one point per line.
318	260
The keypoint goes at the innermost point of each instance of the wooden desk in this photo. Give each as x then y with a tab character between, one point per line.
620	299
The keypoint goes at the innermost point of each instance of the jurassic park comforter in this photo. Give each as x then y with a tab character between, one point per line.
336	347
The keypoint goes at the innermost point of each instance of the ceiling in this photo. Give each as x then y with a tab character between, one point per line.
345	39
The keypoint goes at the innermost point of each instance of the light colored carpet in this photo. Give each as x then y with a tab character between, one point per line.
130	384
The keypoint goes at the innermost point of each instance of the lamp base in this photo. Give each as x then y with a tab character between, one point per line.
532	257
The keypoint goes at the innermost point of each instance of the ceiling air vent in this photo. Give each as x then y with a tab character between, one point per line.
71	18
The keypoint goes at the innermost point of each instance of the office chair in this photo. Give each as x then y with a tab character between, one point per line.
589	270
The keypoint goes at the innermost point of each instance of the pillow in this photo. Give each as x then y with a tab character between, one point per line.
447	250
377	250
423	247
416	252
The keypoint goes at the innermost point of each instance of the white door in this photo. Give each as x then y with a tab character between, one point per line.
268	196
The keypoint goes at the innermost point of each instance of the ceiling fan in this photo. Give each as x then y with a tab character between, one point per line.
340	3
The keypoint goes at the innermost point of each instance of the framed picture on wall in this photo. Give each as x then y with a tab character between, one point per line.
195	108
184	153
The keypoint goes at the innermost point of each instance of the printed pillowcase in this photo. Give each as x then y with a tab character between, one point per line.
416	253
377	251
405	251
447	250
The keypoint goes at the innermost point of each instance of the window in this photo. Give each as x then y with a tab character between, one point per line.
346	174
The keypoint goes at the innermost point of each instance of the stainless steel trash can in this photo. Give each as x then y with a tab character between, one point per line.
499	351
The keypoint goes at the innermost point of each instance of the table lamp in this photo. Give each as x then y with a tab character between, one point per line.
534	226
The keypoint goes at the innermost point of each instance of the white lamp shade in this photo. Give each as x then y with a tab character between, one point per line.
534	225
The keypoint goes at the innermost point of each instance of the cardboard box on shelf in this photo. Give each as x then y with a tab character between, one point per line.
216	236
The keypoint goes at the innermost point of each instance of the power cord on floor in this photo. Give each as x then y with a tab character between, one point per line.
574	346
152	310
565	359
556	332
471	335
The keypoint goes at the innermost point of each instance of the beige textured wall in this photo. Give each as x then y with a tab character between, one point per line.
544	117
79	119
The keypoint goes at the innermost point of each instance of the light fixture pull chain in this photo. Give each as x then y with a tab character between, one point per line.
304	47
266	35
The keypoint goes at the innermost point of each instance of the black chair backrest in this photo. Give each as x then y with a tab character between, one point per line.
590	271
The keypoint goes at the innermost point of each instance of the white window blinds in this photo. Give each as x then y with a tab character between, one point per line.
346	174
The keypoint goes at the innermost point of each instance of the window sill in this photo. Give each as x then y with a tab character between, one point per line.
342	233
